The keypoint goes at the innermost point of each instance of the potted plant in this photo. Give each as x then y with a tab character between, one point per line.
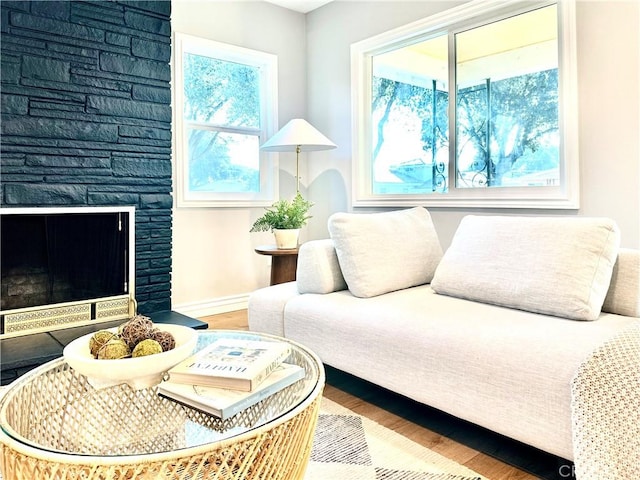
285	219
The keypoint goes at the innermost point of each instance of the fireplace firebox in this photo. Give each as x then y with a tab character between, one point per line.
65	267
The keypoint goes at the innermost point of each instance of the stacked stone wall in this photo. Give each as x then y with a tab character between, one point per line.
86	118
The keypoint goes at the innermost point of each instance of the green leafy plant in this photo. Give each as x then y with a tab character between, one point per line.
284	214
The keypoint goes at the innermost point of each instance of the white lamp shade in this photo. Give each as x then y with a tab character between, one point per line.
297	133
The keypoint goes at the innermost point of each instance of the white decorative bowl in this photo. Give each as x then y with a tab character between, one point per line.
139	372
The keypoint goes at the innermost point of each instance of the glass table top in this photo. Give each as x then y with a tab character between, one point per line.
54	408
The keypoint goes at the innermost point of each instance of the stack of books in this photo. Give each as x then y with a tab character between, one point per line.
230	375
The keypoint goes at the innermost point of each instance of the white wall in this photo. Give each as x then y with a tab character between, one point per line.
609	93
214	265
608	76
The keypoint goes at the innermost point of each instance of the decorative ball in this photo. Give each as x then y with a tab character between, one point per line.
165	339
113	350
146	347
99	339
135	330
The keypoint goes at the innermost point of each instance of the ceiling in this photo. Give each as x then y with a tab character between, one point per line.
303	6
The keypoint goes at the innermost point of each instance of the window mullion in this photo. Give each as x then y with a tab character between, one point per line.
453	101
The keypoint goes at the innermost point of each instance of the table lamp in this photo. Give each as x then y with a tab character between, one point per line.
300	136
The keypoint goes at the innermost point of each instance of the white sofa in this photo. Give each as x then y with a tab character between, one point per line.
493	331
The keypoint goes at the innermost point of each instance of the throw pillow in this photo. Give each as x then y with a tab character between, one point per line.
318	268
383	252
623	296
551	265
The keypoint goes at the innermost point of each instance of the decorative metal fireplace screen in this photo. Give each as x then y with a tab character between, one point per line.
64	267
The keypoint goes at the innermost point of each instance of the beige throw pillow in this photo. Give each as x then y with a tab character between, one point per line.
318	269
553	265
383	252
623	296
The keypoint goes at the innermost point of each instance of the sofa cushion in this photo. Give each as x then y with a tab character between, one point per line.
551	265
623	296
318	268
504	369
383	252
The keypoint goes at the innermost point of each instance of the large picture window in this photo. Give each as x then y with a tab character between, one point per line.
225	109
473	107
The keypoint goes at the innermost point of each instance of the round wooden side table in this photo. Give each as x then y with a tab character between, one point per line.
284	262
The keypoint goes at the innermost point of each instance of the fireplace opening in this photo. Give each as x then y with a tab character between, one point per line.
64	267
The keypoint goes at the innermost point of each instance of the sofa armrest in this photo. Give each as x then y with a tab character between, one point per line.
265	310
623	296
318	268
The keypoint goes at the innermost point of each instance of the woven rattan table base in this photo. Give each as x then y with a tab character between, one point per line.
278	453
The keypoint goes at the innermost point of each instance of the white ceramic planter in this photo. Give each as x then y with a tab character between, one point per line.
287	239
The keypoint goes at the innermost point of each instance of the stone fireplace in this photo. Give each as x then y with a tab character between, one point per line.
86	122
86	119
64	267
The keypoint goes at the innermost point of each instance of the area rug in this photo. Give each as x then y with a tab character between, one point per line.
350	446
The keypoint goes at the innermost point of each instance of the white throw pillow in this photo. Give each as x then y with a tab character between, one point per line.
553	265
623	296
318	268
383	252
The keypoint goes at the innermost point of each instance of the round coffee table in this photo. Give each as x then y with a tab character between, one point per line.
56	426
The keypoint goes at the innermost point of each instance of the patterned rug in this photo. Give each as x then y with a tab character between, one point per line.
350	446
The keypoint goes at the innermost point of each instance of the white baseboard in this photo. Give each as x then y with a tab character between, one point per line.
213	307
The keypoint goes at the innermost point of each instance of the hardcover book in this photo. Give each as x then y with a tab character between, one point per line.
231	363
224	403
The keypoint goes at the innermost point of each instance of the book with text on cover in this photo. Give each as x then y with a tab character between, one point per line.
224	403
231	363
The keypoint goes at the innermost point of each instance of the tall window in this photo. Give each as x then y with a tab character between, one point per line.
224	109
472	107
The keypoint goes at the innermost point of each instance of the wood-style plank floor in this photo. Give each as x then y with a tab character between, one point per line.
338	390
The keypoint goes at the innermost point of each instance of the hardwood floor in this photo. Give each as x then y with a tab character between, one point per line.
228	321
338	389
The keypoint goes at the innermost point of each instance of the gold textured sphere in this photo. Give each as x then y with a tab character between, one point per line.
146	347
113	350
99	339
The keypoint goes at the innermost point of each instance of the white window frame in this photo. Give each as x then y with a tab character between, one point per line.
564	196
268	66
